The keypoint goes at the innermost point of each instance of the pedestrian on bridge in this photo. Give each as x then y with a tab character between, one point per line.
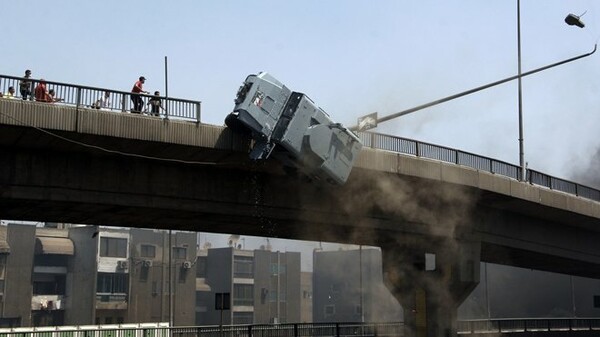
103	102
53	98
9	94
26	86
136	98
41	92
155	104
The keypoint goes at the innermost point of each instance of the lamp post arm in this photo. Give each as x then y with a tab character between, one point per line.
468	92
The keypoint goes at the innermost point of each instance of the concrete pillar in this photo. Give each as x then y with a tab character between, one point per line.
430	280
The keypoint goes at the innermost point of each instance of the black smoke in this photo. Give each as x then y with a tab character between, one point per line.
589	175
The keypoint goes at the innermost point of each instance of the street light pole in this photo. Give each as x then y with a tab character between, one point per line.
521	147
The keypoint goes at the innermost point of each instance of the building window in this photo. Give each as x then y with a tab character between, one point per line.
201	266
112	283
329	310
277	269
242	318
243	294
113	247
243	266
49	284
147	251
179	253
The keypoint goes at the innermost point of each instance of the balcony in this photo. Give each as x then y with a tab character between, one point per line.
47	302
111	301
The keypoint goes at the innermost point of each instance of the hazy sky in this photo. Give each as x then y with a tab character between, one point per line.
351	57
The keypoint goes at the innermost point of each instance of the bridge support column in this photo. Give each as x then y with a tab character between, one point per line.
430	281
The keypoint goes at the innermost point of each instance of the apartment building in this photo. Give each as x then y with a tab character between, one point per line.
95	275
264	286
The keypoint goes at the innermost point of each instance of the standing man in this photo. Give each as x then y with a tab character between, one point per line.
26	85
136	98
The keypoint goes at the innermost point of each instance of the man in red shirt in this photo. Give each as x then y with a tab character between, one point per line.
41	93
136	98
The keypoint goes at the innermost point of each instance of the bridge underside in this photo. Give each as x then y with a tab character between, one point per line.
92	173
45	178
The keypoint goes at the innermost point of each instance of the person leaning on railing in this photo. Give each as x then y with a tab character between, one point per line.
10	94
53	98
155	104
103	102
41	93
136	98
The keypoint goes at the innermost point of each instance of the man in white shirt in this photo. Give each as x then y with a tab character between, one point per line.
103	102
9	94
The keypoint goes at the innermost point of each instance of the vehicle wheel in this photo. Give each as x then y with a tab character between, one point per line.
234	124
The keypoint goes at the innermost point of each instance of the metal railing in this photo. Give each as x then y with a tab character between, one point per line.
83	96
391	329
494	326
252	330
293	330
454	156
119	101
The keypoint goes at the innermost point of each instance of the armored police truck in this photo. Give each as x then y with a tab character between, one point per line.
289	126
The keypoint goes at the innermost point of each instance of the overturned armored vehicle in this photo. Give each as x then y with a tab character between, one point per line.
289	126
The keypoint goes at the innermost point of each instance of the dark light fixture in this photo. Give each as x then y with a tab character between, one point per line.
574	20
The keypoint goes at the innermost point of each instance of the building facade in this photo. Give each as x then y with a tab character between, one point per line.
264	286
306	288
348	287
95	275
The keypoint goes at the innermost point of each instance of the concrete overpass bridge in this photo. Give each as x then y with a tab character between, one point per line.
73	164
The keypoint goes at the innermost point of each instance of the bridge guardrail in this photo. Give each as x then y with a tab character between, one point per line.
119	101
250	330
454	156
481	326
84	96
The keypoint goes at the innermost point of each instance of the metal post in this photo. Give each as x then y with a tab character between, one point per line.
170	280
198	112
521	146
362	311
78	98
573	296
166	91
